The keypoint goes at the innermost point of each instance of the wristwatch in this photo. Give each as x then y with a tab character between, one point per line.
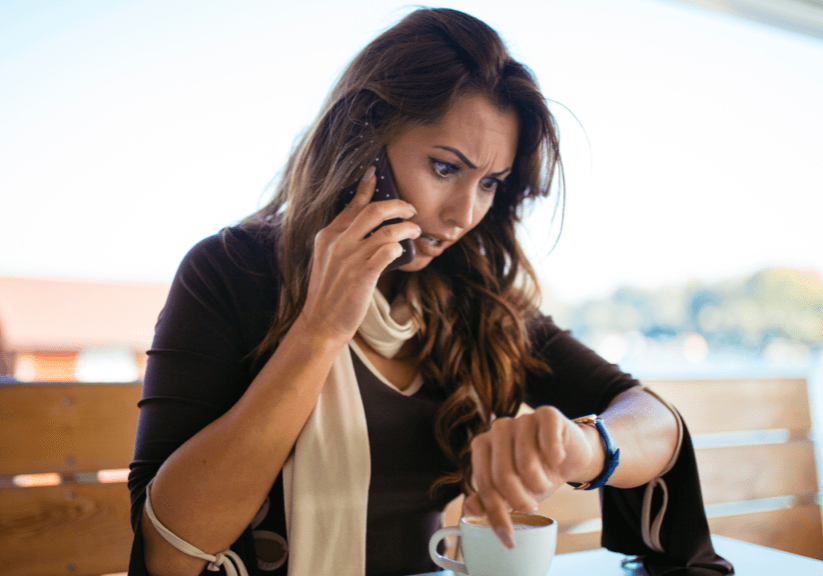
612	453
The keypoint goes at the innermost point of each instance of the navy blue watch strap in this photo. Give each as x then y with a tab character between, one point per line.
612	454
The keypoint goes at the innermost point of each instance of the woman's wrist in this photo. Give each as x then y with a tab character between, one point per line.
598	455
310	337
610	451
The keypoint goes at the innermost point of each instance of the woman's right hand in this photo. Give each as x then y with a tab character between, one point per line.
346	265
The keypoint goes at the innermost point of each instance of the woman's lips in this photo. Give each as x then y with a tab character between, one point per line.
430	245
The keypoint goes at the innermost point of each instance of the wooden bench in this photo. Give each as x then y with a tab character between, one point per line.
64	504
756	462
759	487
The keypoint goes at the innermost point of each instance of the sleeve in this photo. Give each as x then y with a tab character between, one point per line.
219	308
675	500
581	382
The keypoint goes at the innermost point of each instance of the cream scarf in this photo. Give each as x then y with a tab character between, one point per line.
326	479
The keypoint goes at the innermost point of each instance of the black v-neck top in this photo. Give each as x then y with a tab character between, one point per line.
405	462
219	308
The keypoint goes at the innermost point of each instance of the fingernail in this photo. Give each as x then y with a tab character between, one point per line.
505	538
413	209
369	174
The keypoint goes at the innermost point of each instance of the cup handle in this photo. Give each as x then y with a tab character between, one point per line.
442	561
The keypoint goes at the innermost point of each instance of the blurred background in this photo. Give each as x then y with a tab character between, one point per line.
691	238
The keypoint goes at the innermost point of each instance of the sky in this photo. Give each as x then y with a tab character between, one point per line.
131	130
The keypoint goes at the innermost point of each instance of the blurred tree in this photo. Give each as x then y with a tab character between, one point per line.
774	304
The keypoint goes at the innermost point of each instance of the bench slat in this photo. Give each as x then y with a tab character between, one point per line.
796	530
737	473
731	405
67	427
39	529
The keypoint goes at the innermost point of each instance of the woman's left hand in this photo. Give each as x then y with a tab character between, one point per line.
520	461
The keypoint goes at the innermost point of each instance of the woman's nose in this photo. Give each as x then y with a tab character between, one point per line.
459	210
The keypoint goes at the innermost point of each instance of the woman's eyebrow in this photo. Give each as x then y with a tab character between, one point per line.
468	162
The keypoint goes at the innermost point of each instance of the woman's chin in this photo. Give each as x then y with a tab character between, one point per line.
419	262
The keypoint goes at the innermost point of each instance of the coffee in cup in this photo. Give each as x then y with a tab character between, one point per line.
535	539
519	521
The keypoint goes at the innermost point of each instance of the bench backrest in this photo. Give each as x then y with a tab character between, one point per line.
64	504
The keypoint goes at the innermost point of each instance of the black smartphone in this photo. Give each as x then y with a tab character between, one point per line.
385	189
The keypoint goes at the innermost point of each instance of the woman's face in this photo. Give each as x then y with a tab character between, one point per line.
450	170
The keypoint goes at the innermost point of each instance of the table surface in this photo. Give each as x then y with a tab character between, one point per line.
747	559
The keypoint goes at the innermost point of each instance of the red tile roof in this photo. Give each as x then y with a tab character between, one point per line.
42	314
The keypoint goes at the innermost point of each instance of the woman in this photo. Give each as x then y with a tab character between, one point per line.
313	413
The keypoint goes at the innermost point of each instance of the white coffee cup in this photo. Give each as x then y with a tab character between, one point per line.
535	539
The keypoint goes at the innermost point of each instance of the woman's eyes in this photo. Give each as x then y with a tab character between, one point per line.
445	169
490	184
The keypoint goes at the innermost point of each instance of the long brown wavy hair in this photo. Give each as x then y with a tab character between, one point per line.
474	301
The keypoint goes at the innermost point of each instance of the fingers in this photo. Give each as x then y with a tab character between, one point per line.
529	464
550	435
516	464
507	478
361	195
487	500
374	214
352	230
472	506
348	260
387	247
507	459
370	214
499	485
376	228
